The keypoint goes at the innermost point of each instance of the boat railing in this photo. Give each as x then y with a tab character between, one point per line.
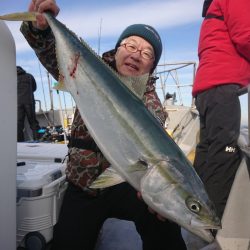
176	76
39	106
243	91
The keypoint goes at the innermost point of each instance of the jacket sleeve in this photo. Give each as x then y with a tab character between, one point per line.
43	43
153	104
33	82
237	19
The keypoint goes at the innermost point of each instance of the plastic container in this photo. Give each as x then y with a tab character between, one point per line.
40	188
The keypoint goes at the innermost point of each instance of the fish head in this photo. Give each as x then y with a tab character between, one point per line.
180	197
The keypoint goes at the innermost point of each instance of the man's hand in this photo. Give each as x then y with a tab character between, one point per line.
159	217
41	6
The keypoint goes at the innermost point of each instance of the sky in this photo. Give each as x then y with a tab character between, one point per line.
100	23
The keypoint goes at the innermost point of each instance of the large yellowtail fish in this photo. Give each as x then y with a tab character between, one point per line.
129	136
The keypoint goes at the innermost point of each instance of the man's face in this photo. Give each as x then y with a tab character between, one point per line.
135	63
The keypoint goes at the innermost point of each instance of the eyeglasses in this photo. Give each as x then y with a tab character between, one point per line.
145	53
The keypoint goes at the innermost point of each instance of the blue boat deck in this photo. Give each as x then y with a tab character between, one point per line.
118	235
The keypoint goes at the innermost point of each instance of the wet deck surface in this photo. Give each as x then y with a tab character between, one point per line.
115	235
119	235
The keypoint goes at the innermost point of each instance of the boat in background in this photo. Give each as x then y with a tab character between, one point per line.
182	123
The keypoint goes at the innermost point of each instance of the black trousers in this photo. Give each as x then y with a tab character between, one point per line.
82	217
217	154
28	110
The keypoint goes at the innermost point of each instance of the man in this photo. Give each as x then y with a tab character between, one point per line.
84	210
224	67
26	86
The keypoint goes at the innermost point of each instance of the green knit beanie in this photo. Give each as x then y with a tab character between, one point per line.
146	32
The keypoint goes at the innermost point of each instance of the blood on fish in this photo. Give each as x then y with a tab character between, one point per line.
75	63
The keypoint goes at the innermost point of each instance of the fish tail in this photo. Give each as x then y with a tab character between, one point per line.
20	16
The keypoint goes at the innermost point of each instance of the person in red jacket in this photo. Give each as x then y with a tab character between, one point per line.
224	68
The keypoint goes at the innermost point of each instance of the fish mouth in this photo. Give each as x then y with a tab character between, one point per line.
204	231
204	234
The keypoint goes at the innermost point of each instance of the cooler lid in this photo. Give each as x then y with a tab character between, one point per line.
42	151
34	175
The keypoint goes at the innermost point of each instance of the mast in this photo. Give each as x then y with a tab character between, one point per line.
45	103
170	78
50	93
99	37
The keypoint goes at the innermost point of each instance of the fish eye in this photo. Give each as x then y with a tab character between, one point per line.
193	205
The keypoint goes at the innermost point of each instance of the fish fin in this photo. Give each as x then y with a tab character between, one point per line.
60	85
20	16
173	171
107	179
111	177
140	165
137	84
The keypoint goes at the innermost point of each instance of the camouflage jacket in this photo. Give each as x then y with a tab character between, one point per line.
86	162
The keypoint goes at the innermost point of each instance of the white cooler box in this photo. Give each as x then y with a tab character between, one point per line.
40	188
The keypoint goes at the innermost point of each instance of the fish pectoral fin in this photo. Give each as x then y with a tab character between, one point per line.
107	179
20	16
140	165
159	177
